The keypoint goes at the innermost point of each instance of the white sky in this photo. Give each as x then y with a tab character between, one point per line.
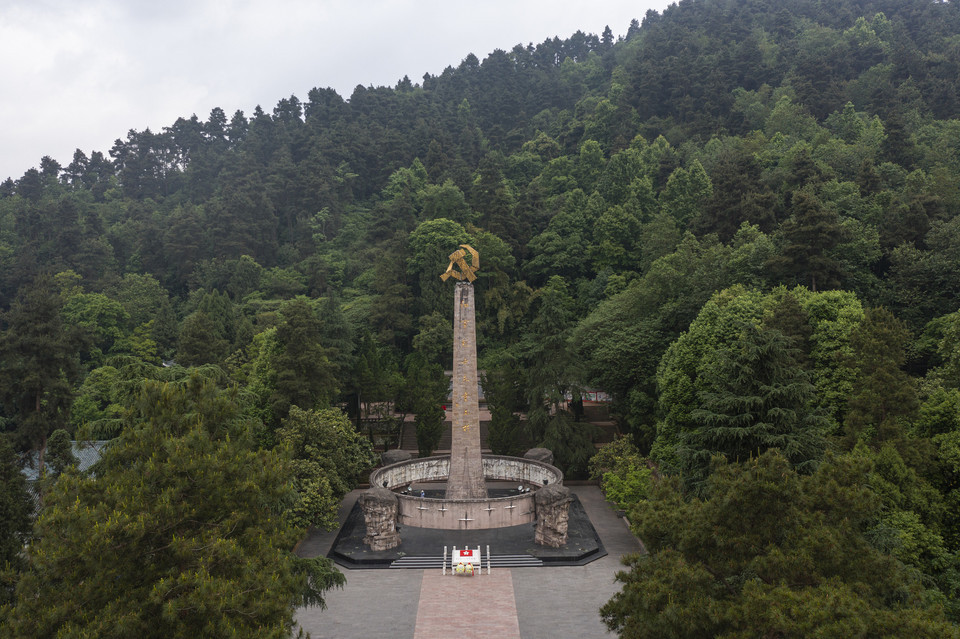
81	73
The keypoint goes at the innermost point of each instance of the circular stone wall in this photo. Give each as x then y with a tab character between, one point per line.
466	514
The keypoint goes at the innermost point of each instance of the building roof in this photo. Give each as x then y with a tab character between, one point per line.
86	452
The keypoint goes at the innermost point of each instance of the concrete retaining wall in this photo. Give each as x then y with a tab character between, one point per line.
466	514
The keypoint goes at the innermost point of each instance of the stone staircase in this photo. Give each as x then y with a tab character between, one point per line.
496	561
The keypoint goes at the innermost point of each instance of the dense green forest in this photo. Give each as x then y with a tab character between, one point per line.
740	220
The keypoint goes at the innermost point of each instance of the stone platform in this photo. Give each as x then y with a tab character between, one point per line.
555	603
440	511
583	543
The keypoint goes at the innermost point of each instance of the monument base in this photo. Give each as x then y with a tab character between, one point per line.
473	513
426	544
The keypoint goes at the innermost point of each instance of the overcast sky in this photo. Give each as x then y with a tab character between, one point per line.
81	73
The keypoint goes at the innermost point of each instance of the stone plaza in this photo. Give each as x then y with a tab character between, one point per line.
533	603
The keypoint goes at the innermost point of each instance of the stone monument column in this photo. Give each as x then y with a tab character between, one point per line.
466	467
380	508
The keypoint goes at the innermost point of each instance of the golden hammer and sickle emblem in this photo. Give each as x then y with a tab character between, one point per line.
466	271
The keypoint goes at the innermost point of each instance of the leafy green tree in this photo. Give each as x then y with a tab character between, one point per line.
329	459
680	378
624	475
141	296
916	523
920	283
446	201
614	236
179	533
692	359
659	237
336	335
493	200
98	403
768	552
737	196
563	248
429	245
551	376
590	165
165	330
621	342
435	338
100	321
374	381
60	452
686	193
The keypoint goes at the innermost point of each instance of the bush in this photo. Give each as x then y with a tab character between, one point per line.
624	474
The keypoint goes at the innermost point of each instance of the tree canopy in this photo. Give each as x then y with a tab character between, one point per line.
738	222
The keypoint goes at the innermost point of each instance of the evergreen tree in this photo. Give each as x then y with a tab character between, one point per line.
884	395
425	393
551	379
755	398
60	455
809	236
686	193
768	553
180	533
201	341
336	336
37	365
304	374
788	317
16	521
503	390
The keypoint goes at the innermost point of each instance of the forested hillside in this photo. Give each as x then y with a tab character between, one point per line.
740	219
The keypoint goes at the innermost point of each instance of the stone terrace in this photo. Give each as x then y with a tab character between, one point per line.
548	603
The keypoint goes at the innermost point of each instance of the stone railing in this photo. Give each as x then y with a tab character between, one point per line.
467	514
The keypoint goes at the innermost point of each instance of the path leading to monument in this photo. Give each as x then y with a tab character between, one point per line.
467	607
548	603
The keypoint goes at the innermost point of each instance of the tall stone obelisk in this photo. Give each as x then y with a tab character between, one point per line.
466	466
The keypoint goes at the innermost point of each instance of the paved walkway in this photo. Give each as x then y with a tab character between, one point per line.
547	603
467	607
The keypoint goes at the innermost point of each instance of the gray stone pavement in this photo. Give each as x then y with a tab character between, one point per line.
552	602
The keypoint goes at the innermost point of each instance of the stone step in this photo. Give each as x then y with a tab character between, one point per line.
496	561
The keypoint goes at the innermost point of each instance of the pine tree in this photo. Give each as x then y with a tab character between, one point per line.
788	317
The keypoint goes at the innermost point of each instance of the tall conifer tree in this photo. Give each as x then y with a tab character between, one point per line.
38	365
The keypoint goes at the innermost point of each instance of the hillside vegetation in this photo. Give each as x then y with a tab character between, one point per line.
740	220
